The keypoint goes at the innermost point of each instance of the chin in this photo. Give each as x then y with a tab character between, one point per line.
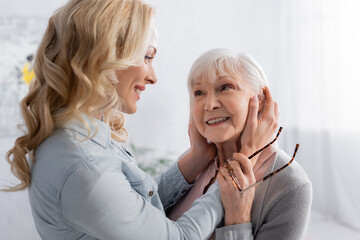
218	139
129	110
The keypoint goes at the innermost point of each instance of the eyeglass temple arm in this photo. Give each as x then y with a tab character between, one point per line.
273	173
257	152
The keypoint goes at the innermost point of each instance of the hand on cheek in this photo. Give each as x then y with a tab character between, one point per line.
257	132
199	145
200	154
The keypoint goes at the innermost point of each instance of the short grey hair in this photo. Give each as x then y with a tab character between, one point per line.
220	62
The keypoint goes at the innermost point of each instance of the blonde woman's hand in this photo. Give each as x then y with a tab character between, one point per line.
200	147
260	126
200	154
237	205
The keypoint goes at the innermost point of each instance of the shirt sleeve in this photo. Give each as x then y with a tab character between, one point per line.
239	231
172	186
288	218
100	202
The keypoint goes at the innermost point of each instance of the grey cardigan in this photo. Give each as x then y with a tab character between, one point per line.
281	209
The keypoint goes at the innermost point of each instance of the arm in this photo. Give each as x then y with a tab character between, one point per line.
99	201
172	185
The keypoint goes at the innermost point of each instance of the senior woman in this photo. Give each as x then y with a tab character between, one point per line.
221	83
91	66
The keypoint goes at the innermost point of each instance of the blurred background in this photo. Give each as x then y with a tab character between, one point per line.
308	49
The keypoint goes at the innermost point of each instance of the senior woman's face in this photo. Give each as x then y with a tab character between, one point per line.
220	107
132	81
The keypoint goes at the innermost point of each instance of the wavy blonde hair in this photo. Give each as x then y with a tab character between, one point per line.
84	43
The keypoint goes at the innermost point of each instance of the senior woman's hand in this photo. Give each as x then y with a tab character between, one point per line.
260	126
237	205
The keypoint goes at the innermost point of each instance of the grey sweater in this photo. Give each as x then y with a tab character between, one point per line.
281	208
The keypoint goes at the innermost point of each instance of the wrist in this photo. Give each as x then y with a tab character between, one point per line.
185	167
194	161
233	219
248	149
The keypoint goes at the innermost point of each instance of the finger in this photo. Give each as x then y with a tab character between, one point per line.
193	131
221	178
191	123
276	109
238	172
230	178
245	163
276	121
251	122
225	174
248	178
267	93
269	102
253	110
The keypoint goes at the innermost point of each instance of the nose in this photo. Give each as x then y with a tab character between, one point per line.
211	103
151	76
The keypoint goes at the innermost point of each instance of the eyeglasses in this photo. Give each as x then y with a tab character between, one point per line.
235	180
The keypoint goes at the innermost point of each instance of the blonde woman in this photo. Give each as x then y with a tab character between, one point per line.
221	82
94	61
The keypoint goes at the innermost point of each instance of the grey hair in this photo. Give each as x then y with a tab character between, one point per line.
221	62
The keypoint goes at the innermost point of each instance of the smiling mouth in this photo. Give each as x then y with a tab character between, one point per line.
138	91
217	120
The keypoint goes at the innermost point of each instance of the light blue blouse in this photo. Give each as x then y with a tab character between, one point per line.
92	189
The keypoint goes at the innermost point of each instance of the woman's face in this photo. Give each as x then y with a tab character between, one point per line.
132	81
220	108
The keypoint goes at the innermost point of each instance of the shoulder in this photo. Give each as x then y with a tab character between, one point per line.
292	176
63	154
293	180
283	204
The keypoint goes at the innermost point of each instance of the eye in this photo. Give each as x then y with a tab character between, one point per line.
198	93
226	87
148	59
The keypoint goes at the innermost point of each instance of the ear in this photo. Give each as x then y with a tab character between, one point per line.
261	98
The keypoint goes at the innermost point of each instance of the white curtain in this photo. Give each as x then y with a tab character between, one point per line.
317	86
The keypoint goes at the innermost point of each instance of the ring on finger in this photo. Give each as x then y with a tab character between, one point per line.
235	181
232	175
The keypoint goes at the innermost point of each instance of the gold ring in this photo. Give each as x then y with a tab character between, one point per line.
236	182
231	173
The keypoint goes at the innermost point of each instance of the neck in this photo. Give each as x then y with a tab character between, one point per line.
225	150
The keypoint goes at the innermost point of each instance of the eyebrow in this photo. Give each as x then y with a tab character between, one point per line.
232	79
